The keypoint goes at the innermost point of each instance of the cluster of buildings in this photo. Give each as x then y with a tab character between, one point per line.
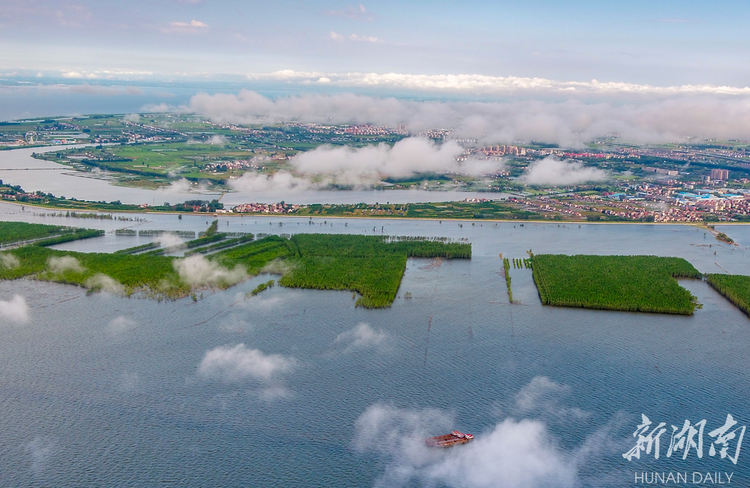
21	197
265	208
367	130
228	165
669	172
719	174
503	150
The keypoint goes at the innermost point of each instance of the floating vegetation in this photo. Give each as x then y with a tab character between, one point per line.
506	266
141	248
521	263
156	233
735	288
126	232
627	283
72	236
211	229
724	238
19	232
261	287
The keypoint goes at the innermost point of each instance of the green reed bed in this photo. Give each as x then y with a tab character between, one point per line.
735	288
626	283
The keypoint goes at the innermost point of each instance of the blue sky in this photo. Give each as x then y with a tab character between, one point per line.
661	43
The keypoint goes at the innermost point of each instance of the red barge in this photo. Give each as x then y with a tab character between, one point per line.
453	439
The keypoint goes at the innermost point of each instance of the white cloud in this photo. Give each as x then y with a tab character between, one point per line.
193	23
120	325
500	85
191	27
132	118
170	240
129	382
72	74
543	396
336	36
362	336
183	185
239	363
198	271
568	121
41	449
280	181
15	309
355	13
513	454
217	140
64	263
259	302
102	282
9	261
352	165
156	108
371	39
180	186
551	171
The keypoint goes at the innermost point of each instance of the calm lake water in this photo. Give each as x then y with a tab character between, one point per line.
106	391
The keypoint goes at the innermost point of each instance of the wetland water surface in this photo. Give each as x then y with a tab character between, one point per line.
300	388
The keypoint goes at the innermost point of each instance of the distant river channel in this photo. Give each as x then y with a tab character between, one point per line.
300	388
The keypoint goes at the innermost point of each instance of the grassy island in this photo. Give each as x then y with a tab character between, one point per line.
735	288
626	283
22	233
369	265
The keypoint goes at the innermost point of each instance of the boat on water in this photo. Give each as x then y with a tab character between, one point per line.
453	439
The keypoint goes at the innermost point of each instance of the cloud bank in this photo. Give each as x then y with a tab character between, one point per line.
352	165
474	84
280	181
567	121
551	171
513	454
199	271
15	309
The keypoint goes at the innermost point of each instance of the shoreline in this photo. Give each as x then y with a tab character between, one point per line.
235	215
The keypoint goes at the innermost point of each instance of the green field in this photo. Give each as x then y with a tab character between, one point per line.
444	210
627	283
735	288
131	273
